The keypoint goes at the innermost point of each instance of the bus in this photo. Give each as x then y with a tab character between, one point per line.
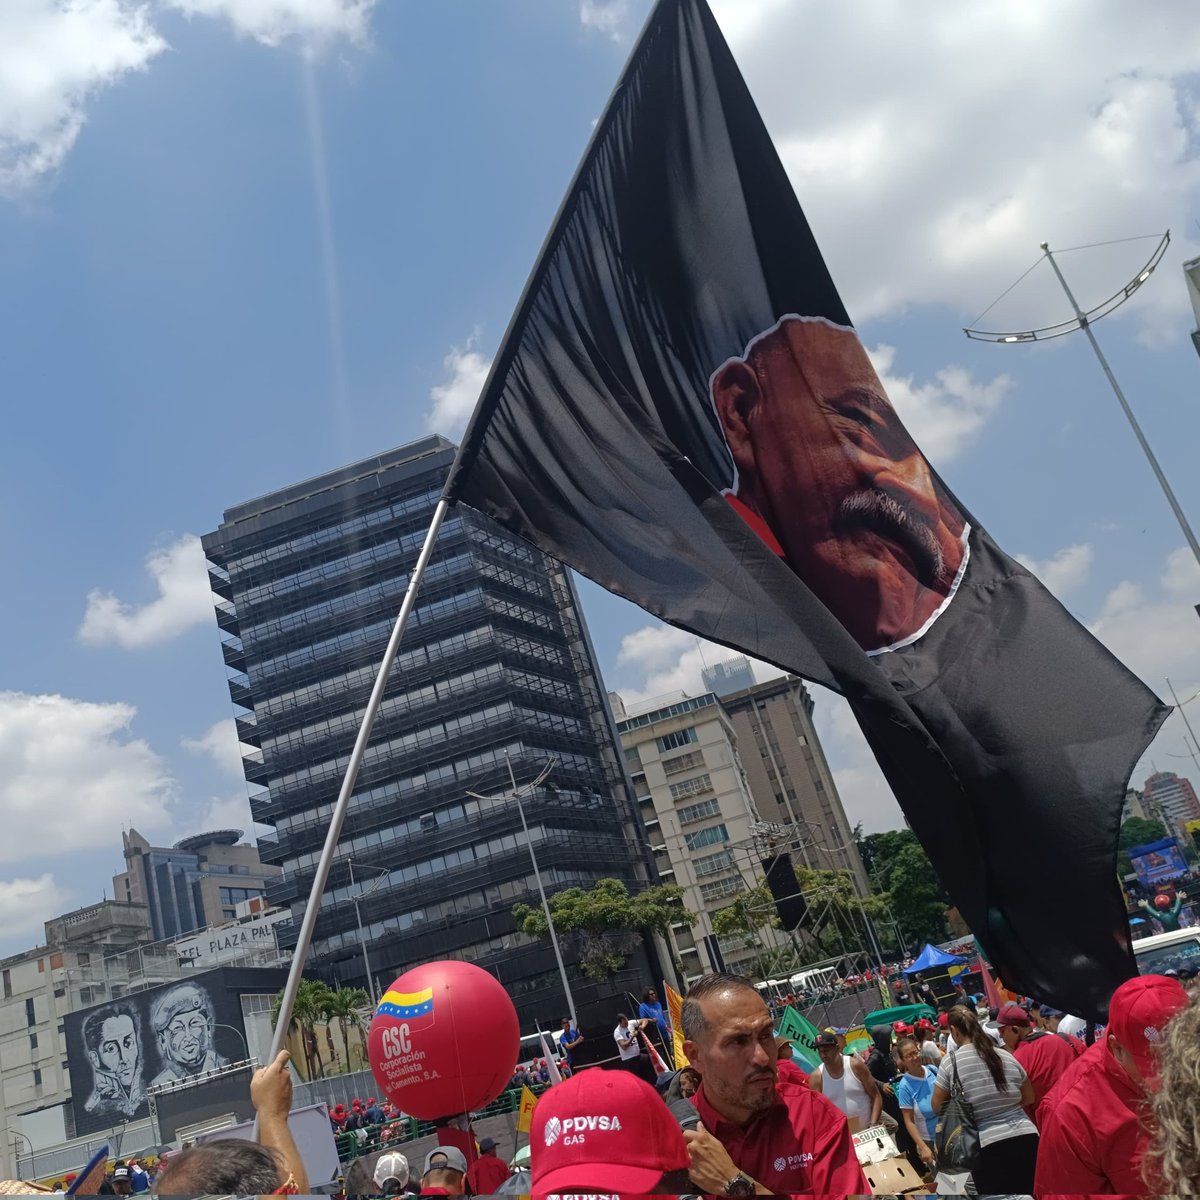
1178	950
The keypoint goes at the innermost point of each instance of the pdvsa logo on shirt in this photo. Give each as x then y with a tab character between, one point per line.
574	1130
792	1162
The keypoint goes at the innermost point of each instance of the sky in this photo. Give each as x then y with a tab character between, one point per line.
243	242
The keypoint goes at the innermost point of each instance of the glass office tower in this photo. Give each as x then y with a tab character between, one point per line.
495	663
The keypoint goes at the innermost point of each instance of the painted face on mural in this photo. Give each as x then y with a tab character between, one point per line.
118	1051
187	1038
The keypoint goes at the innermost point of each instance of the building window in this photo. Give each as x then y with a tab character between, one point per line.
683	762
7	984
30	1016
706	837
713	864
56	962
237	895
33	1041
718	889
37	1077
691	787
677	740
59	993
699	812
632	756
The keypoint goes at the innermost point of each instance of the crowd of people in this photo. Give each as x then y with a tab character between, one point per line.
1053	1115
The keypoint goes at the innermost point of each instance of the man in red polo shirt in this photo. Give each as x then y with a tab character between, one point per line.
757	1134
1095	1122
1045	1056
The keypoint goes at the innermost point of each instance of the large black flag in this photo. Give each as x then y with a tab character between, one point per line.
682	411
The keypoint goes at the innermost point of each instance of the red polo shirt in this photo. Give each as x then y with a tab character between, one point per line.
1093	1132
1046	1058
801	1145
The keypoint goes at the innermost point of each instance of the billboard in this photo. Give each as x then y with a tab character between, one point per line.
173	1033
1157	862
227	943
1192	829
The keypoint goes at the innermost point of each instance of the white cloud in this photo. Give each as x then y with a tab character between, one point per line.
454	401
227	812
933	156
26	905
220	742
55	55
70	775
943	416
1068	569
1154	630
275	21
184	600
671	660
609	17
865	793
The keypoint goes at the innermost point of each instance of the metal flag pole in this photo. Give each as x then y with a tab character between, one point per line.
1086	325
515	794
338	818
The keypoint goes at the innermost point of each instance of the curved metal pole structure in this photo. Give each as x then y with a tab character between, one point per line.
1084	320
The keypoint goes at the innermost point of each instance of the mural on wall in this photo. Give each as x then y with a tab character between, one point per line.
182	1020
112	1041
120	1050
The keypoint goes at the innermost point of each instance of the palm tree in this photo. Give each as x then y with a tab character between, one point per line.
346	1007
312	1003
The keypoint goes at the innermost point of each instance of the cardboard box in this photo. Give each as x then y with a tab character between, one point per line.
874	1145
893	1177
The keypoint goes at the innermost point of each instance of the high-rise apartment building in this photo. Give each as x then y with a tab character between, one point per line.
788	775
696	808
495	668
1174	797
198	882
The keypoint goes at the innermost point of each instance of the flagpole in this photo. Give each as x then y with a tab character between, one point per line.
338	818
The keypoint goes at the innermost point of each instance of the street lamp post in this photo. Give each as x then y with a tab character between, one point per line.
362	937
516	794
1084	320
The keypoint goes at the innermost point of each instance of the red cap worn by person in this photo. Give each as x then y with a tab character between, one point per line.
943	1020
1014	1014
1094	1131
605	1132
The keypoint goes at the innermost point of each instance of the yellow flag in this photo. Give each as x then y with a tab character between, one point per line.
675	1016
525	1112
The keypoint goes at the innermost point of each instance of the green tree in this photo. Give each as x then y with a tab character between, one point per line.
1137	831
606	920
346	1006
906	881
310	1009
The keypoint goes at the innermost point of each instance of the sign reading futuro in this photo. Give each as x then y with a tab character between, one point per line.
444	1040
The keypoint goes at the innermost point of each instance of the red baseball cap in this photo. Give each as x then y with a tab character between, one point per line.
943	1020
1137	1014
604	1132
1014	1014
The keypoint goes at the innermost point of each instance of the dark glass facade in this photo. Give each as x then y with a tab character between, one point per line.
495	661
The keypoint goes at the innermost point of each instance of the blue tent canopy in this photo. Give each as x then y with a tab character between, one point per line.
931	958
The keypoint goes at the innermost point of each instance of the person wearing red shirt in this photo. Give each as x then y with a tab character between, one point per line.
1094	1123
757	1133
1045	1056
487	1172
786	1066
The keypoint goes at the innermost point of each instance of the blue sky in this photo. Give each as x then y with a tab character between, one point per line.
241	244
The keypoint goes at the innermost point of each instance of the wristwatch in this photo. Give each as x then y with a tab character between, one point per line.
740	1186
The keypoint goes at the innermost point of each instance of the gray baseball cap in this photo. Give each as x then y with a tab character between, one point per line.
446	1158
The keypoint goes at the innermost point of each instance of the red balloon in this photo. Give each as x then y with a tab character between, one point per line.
444	1040
1162	901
